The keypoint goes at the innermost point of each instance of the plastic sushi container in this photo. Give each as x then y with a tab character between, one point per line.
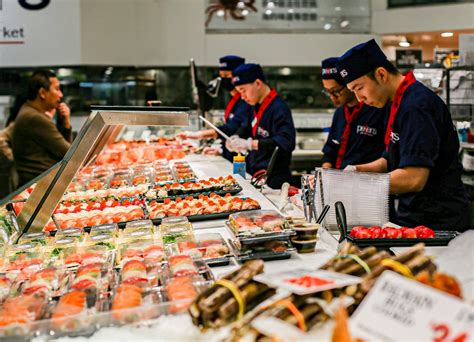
25	258
210	247
85	255
259	226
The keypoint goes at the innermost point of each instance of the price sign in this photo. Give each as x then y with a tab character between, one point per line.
399	309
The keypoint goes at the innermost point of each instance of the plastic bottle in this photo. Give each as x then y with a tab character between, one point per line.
239	165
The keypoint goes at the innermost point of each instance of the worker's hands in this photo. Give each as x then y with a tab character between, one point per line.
189	135
229	143
212	151
64	115
239	145
350	168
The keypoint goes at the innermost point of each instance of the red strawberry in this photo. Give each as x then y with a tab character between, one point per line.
393	233
375	232
409	233
423	232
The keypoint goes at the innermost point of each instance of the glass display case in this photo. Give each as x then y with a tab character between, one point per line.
102	127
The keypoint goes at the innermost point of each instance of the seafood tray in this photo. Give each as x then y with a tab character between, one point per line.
232	190
259	226
202	208
211	247
183	172
201	186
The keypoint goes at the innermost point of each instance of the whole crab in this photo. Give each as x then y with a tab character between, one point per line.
233	8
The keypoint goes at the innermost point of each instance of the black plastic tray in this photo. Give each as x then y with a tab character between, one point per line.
233	191
267	256
216	262
442	239
216	216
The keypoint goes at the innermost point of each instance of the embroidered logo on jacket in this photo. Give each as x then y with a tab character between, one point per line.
262	132
394	137
366	130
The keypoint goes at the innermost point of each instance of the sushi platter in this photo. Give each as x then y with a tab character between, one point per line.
75	282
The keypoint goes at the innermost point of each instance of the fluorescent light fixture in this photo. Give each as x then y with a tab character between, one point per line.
285	71
268	12
447	34
271	4
245	12
337	9
404	43
327	26
220	13
291	10
344	23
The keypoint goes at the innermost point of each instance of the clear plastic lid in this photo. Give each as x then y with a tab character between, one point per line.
139	224
111	228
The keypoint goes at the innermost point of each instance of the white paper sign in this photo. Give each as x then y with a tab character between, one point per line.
39	32
399	309
304	281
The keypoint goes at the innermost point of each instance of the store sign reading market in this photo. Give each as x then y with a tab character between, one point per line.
14	36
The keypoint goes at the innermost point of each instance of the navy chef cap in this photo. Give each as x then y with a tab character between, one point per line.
329	70
229	63
360	60
247	73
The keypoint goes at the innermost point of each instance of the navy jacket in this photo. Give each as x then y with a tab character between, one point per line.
366	138
424	135
238	116
276	128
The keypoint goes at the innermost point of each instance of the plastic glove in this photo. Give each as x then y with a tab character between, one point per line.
229	143
242	145
350	168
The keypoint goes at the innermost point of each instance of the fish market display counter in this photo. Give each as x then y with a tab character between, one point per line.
140	240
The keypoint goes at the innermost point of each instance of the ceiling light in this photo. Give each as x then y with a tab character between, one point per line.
245	12
327	26
241	4
344	23
447	34
285	71
268	12
337	9
404	43
271	4
220	13
291	10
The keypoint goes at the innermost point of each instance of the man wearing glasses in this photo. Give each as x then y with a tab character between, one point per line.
357	130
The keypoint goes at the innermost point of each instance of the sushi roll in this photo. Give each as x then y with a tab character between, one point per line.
65	315
182	266
180	289
134	273
126	297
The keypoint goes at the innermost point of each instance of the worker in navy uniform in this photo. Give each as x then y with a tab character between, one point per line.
269	126
421	143
357	130
236	112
